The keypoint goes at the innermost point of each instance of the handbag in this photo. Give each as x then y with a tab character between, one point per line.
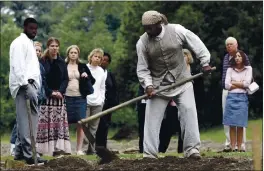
252	88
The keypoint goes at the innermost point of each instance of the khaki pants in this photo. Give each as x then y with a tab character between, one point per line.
93	125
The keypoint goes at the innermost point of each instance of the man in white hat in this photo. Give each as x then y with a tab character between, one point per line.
161	63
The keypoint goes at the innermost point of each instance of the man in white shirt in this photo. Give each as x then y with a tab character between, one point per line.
161	63
24	83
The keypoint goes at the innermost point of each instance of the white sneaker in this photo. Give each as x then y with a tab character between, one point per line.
12	149
243	146
80	153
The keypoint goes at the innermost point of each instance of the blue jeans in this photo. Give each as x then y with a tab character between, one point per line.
13	134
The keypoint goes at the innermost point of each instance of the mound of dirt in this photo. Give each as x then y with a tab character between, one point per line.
162	164
69	161
106	156
175	164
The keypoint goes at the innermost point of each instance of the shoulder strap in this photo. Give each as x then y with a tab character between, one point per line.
252	80
252	76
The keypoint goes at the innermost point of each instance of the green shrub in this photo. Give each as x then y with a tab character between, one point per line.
124	116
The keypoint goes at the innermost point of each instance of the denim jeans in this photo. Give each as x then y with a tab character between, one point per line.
13	134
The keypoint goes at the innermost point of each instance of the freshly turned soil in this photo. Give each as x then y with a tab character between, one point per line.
165	164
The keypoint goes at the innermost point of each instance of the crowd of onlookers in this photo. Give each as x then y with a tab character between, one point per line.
62	91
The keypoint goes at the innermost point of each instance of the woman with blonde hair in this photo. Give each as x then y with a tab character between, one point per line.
188	58
53	130
38	47
75	95
95	101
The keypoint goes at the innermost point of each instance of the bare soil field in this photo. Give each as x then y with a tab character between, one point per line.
69	163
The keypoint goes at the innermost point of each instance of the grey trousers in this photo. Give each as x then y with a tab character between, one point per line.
93	125
188	120
23	141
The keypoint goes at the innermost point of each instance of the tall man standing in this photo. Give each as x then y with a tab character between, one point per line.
24	84
161	63
231	48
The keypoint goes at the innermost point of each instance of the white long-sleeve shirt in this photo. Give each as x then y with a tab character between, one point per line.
244	76
24	64
183	36
98	97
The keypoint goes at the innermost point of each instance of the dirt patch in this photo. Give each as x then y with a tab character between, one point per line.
164	164
175	163
68	161
106	156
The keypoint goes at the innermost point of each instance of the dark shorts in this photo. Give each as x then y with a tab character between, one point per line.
76	108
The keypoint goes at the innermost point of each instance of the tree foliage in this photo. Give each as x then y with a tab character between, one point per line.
9	31
116	27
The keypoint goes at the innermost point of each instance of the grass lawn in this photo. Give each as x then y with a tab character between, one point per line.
140	156
215	134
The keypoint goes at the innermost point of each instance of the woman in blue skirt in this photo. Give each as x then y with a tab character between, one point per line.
238	78
75	95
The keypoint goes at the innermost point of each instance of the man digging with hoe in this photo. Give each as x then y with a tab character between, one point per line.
163	73
161	63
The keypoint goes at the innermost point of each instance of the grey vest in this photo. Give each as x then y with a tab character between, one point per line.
165	57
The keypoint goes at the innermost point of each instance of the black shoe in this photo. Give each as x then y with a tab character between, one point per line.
58	153
227	150
235	150
30	161
41	160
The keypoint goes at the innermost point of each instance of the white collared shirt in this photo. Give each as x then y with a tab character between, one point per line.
183	36
98	97
24	64
244	76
